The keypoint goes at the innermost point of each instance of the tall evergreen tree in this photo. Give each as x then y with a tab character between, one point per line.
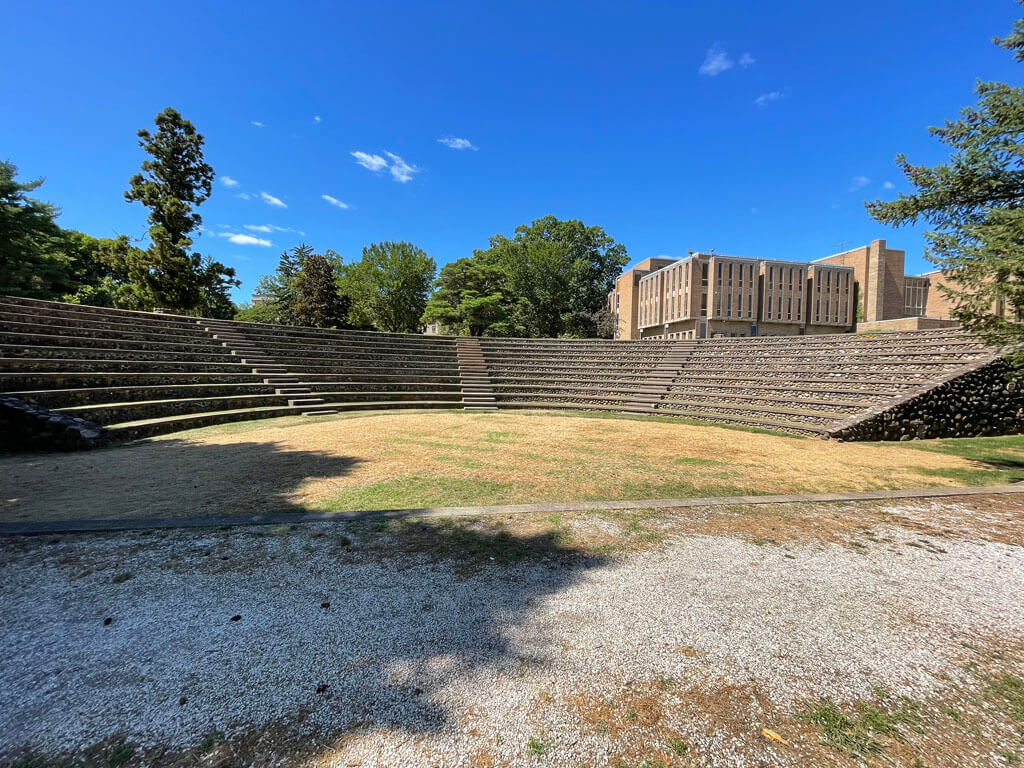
173	183
975	202
280	286
31	258
317	300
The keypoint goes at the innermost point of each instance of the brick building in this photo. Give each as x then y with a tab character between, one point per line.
706	295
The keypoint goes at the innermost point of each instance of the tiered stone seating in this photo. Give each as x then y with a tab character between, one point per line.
139	373
605	375
810	384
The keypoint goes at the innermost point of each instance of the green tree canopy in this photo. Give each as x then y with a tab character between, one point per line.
975	202
31	259
317	300
173	183
468	298
388	286
557	275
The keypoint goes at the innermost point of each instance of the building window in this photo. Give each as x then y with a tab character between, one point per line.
789	307
728	302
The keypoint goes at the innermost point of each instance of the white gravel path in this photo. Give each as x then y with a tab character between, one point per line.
426	663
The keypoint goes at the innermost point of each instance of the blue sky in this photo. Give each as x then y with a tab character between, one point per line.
749	127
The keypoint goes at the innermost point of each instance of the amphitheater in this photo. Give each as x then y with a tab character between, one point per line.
130	375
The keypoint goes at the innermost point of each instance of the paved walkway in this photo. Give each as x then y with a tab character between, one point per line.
213	521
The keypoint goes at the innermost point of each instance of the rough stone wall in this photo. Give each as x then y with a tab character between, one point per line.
24	426
986	401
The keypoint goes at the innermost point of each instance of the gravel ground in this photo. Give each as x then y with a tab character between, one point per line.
378	655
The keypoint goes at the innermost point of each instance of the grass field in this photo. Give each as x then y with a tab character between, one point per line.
450	458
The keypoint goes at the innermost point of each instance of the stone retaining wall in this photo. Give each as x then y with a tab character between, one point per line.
28	427
986	401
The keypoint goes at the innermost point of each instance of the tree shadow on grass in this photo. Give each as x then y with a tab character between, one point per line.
160	479
345	630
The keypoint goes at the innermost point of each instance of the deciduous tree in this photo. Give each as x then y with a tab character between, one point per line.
389	286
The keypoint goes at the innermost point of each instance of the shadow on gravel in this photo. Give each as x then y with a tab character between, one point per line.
345	630
161	478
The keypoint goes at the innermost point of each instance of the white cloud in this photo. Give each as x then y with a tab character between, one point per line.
334	201
245	196
716	62
370	162
401	171
767	98
227	181
859	182
746	60
316	118
257	123
453	143
888	185
271	200
267	228
240	239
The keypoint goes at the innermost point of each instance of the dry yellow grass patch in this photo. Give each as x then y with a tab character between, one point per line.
537	457
443	458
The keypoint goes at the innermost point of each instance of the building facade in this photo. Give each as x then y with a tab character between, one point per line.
709	295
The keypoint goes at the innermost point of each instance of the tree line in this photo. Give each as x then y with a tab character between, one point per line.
551	278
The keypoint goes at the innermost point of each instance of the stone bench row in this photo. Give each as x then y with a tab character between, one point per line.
154	341
782	397
108	318
90	363
115	413
58	398
66	326
34	380
206	355
285	333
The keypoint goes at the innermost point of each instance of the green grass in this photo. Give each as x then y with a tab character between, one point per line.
1011	690
538	747
857	734
120	754
420	491
1000	459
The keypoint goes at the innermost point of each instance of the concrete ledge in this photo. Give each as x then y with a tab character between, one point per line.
283	518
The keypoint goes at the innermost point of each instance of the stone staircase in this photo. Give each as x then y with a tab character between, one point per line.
477	393
300	397
666	371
